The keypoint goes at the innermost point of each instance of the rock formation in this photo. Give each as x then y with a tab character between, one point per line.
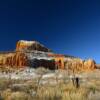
80	65
18	59
89	64
33	54
23	45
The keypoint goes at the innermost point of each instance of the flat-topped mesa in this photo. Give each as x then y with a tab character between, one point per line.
24	45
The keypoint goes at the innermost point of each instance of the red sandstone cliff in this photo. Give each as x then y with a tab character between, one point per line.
17	59
80	65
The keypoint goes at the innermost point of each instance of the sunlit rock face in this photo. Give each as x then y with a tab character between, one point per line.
80	65
30	45
34	54
89	64
17	59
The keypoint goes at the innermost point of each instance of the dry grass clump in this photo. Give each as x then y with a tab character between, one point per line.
19	95
6	93
48	93
4	83
62	92
72	93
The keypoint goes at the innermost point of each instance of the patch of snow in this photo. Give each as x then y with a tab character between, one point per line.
27	42
50	75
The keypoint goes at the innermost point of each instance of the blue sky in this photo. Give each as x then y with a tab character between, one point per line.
65	26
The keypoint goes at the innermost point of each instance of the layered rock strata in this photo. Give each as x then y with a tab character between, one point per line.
23	45
34	54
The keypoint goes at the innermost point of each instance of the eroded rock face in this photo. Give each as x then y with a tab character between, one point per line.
20	59
17	59
24	57
23	45
80	65
89	64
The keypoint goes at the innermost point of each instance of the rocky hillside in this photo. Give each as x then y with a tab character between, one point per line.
34	54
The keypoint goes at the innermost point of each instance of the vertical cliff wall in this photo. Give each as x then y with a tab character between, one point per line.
17	59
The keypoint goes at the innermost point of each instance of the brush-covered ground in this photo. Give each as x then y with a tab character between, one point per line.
45	84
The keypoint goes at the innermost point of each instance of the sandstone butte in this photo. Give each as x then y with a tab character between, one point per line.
34	54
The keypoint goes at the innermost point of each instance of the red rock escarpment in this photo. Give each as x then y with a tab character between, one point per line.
80	65
23	45
15	60
58	61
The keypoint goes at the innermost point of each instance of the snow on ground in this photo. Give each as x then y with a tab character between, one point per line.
50	77
28	73
31	73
